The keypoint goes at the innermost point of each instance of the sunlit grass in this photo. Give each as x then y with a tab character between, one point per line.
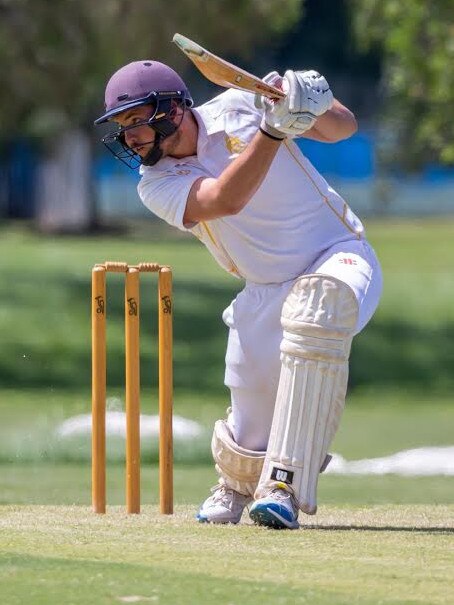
382	554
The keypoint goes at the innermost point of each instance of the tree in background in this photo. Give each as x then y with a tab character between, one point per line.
416	41
55	57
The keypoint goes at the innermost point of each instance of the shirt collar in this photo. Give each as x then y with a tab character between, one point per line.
207	125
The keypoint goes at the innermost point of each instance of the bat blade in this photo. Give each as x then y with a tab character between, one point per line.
222	72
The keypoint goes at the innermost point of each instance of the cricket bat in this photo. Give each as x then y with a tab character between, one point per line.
222	72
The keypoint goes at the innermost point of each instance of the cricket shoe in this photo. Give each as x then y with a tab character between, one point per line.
225	505
278	510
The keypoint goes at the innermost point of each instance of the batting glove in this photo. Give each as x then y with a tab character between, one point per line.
308	96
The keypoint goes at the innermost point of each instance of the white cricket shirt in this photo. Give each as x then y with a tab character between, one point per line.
292	218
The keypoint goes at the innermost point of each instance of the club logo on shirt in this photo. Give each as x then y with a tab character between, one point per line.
179	169
234	144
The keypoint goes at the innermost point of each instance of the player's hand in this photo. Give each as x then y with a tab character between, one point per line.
274	79
308	92
307	97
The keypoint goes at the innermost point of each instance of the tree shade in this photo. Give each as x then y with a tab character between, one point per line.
55	56
416	40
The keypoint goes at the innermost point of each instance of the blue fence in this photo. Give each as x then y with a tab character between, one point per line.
349	166
17	181
353	158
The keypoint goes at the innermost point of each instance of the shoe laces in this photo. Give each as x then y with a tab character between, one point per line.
281	494
228	497
222	494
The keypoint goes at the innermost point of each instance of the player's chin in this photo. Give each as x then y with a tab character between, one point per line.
142	150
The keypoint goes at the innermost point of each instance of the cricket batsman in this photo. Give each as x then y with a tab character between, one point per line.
230	173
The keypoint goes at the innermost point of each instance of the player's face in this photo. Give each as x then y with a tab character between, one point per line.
141	138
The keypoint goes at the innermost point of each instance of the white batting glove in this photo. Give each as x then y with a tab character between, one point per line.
308	96
274	79
308	92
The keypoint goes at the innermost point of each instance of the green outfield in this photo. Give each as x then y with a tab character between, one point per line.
363	555
376	539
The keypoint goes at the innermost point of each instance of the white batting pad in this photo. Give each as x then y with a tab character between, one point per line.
237	467
319	318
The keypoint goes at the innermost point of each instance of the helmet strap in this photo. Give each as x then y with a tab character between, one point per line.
163	129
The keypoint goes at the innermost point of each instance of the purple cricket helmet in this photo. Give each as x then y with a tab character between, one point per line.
138	83
144	83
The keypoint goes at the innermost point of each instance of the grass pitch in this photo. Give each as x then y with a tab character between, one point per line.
382	554
375	540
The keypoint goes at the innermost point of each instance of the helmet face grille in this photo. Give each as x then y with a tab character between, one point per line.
163	109
115	143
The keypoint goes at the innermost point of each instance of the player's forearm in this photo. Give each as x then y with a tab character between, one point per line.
336	124
231	191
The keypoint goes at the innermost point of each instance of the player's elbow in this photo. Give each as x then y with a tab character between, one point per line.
351	127
347	128
341	134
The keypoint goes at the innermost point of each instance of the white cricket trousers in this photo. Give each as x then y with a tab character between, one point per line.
255	333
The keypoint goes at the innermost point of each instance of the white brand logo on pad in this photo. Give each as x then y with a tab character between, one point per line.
279	474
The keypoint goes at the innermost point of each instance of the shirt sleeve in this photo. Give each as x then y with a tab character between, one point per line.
166	193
